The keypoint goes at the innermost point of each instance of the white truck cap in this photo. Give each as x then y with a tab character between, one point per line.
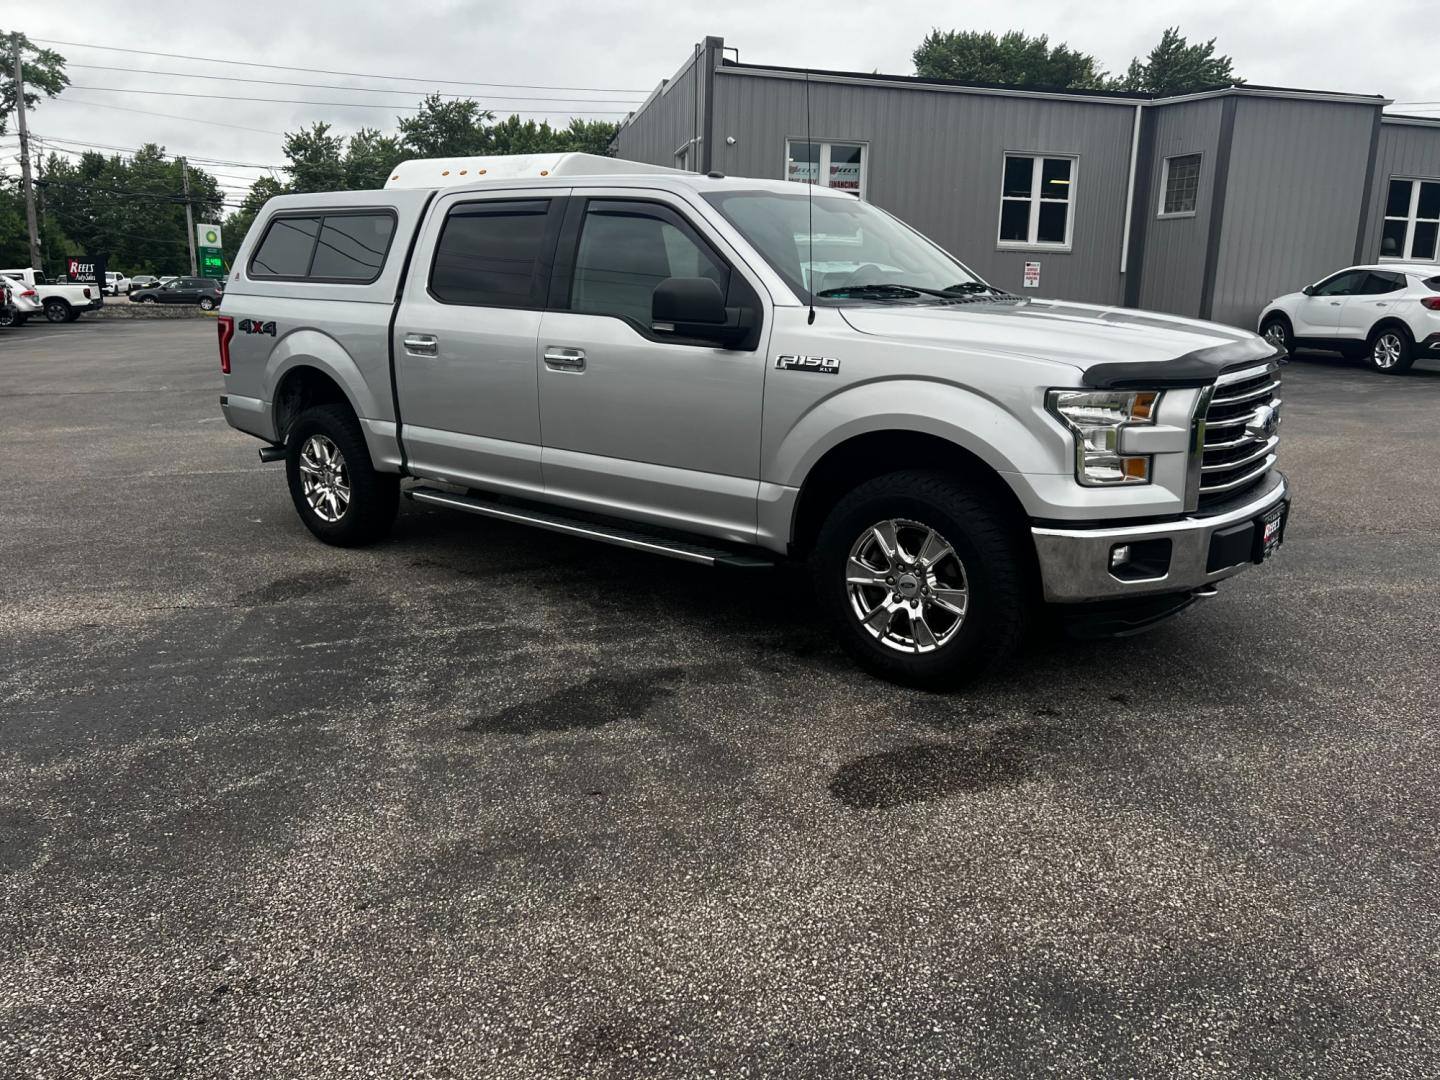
450	172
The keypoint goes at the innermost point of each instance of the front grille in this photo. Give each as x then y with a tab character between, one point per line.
1238	448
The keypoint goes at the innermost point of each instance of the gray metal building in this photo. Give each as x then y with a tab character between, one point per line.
1205	204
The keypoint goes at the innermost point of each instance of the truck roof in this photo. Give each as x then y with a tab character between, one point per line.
452	172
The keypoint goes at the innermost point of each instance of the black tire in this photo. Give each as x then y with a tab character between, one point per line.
1390	350
10	317
374	496
57	310
1278	331
146	300
206	304
72	316
996	608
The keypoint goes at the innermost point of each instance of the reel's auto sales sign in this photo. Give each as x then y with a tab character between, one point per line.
85	271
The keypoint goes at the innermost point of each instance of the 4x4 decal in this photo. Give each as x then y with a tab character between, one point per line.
255	326
826	365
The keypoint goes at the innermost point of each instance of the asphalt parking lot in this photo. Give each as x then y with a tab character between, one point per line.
483	801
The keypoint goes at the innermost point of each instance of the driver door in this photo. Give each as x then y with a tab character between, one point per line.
1318	315
633	422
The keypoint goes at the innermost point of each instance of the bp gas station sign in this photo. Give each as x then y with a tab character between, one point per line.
208	251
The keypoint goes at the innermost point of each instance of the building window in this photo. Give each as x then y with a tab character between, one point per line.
1180	185
838	165
1412	220
1035	198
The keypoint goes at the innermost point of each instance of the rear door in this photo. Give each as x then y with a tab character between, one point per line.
1379	295
635	422
465	338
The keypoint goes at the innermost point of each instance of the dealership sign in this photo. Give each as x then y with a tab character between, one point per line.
85	270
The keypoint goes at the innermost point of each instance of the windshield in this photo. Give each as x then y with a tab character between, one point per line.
855	252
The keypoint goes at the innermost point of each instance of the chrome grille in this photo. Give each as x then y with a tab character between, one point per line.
1238	447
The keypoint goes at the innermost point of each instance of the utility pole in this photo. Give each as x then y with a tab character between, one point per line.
189	216
25	155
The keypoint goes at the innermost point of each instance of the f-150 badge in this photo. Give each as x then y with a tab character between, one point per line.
826	365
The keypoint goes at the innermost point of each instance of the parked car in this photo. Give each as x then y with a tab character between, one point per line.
1389	313
116	284
186	290
144	281
21	302
62	302
638	355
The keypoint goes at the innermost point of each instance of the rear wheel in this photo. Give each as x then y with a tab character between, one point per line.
207	304
1276	330
921	578
10	317
57	310
337	492
147	299
1390	350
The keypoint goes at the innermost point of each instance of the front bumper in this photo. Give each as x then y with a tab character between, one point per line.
1075	563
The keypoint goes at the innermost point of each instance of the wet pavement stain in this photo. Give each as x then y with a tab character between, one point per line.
294	587
599	700
927	771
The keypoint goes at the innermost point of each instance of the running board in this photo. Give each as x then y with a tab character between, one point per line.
620	536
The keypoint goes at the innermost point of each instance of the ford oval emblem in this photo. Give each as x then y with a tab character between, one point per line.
1263	422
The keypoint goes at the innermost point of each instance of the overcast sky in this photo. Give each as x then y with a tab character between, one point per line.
624	49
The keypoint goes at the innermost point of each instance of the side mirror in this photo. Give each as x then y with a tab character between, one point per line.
695	308
1309	290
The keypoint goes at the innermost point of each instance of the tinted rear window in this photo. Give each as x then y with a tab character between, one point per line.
286	248
1433	284
352	246
490	254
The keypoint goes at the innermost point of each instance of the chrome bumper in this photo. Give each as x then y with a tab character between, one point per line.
1075	563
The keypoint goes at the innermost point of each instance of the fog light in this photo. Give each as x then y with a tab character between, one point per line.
1119	555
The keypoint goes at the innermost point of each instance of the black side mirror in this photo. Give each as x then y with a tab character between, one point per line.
695	308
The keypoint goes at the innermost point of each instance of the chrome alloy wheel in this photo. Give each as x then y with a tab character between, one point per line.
1275	334
324	478
907	586
1387	350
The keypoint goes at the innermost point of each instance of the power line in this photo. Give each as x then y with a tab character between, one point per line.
348	74
137	149
333	86
336	104
168	116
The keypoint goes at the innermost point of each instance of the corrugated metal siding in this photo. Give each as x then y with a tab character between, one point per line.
672	119
1297	184
1174	265
1408	150
935	159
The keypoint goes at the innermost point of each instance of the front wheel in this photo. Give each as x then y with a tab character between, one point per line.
1276	331
337	492
206	304
147	299
57	310
922	578
1389	351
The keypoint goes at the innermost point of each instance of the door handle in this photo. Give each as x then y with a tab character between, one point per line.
1334	303
422	345
561	359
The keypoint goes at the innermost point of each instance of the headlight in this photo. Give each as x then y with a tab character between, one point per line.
1096	418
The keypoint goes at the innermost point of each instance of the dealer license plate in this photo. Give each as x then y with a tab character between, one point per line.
1270	531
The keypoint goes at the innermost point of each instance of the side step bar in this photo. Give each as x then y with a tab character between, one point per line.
626	536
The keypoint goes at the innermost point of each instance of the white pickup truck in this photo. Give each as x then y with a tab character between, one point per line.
735	372
61	302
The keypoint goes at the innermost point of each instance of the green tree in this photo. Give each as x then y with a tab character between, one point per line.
590	136
317	160
44	71
446	129
1174	66
238	223
1011	59
369	157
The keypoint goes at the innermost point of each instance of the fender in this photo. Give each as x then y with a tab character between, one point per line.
313	348
928	406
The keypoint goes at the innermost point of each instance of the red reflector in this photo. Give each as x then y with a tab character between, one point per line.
1431	302
225	328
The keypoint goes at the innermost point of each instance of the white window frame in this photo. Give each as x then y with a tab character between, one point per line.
1037	172
1165	186
1410	218
825	145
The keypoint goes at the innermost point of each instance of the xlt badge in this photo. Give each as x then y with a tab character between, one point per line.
827	365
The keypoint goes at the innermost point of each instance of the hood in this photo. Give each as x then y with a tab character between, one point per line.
1113	347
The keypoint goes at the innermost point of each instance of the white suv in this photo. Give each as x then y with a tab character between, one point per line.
1387	312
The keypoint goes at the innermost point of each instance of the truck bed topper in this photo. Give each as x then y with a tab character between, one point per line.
450	172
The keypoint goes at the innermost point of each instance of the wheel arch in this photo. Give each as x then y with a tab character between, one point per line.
865	456
304	386
1276	313
1390	322
326	370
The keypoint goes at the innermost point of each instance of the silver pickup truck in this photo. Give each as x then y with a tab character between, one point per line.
736	372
